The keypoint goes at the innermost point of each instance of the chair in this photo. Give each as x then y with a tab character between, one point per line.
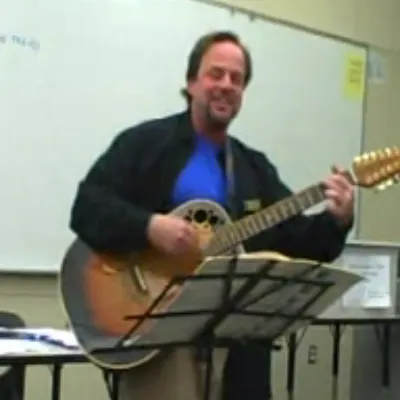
12	379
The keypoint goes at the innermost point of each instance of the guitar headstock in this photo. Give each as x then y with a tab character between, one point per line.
378	169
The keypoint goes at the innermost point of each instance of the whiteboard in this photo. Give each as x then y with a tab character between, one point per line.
74	73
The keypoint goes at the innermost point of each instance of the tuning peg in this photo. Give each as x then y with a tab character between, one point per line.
395	151
365	158
388	152
388	183
382	186
381	155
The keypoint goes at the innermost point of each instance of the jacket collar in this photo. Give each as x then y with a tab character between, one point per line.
185	129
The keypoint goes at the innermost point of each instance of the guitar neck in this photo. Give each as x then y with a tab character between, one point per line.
231	235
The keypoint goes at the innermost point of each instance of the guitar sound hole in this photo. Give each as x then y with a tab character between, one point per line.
204	216
200	216
214	220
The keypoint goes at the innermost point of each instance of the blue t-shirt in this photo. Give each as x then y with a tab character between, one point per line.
202	177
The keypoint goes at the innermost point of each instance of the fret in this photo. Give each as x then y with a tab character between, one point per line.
270	218
258	223
241	232
302	202
316	194
265	218
254	224
312	196
309	197
244	228
290	208
293	207
250	225
278	212
231	235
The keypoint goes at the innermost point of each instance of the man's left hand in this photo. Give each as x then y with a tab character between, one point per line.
339	192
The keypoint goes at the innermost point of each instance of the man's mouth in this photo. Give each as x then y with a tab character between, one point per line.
221	104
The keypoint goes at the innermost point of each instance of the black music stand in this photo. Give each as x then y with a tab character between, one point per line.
257	297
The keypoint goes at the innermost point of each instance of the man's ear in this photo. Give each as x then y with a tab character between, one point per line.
190	87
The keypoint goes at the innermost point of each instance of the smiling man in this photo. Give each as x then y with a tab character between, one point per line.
122	206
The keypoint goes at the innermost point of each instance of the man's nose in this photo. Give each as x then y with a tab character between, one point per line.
226	82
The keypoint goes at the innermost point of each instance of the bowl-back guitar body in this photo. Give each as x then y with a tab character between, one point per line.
99	292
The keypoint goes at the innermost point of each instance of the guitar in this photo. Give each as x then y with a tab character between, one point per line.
98	291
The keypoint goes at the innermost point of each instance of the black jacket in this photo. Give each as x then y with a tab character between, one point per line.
134	178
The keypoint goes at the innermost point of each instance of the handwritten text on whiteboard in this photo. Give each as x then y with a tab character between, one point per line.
18	40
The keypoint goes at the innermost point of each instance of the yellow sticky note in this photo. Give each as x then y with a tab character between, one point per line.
354	80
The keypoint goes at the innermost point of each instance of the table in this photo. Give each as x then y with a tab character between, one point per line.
383	332
57	359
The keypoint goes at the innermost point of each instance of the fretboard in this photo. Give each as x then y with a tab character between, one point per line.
231	235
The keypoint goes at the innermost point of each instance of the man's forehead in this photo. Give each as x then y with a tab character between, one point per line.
226	66
221	59
224	51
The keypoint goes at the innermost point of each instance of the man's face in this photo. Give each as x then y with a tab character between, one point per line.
218	88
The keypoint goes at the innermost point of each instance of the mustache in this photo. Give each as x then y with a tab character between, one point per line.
228	98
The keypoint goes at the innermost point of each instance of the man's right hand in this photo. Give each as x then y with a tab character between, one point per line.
172	235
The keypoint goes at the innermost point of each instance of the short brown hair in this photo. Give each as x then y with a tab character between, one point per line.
202	45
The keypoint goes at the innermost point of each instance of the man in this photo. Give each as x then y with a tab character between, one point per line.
149	169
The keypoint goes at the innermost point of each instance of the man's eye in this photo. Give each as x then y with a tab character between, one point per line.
217	73
237	79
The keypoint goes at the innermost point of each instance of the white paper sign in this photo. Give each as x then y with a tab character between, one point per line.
374	290
377	68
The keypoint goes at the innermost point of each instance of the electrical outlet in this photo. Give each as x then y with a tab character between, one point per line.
312	354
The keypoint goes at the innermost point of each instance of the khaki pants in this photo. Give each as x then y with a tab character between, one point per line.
173	376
